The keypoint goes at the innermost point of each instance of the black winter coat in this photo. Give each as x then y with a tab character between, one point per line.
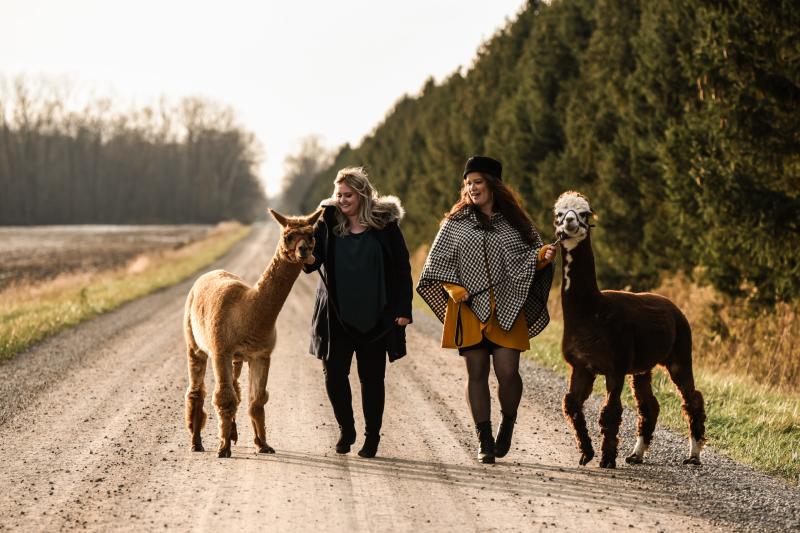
397	273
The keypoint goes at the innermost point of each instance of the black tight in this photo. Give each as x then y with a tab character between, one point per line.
509	382
371	362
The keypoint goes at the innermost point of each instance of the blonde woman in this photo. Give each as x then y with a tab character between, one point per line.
363	299
487	277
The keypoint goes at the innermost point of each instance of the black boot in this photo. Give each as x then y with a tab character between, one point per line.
486	449
504	432
370	447
346	439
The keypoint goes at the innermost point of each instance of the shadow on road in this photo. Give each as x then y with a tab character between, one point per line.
580	485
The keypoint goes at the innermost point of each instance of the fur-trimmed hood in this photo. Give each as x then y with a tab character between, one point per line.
386	208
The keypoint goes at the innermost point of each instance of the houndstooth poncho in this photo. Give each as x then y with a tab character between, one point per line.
457	256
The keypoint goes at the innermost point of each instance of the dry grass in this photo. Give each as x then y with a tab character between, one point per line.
29	313
732	338
417	260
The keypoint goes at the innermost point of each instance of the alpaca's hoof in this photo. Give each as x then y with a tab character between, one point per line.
586	457
692	461
224	453
234	433
266	449
634	459
197	448
609	462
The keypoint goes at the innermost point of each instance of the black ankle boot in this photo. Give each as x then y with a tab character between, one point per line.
486	449
504	432
370	447
346	439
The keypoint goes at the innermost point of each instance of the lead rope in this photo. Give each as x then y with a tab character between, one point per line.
486	266
459	336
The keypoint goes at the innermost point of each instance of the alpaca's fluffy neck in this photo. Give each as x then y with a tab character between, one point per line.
579	290
273	287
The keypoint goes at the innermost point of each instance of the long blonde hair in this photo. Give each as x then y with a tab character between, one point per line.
369	211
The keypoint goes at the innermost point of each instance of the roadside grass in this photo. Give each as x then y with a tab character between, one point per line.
735	337
748	421
28	314
417	260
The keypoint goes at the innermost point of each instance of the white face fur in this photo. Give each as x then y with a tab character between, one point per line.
572	216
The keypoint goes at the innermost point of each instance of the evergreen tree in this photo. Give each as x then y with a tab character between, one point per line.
679	120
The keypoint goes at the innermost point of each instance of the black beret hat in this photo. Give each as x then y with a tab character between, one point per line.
487	165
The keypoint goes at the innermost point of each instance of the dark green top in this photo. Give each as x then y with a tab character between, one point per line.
360	283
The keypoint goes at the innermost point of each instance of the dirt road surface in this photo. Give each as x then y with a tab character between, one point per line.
92	437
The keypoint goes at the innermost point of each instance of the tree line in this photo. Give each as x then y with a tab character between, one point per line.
188	162
679	119
300	169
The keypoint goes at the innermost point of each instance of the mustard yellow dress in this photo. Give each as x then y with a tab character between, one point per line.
474	330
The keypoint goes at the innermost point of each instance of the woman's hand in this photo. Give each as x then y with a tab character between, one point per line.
402	321
547	253
464	297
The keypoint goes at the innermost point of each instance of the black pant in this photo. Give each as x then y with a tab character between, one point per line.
371	362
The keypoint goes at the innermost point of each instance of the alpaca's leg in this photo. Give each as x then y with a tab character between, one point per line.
680	370
224	401
259	371
237	371
610	420
195	397
648	414
580	387
693	409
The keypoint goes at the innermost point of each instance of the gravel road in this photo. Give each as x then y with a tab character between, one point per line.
92	437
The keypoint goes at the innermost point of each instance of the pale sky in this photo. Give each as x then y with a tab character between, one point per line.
288	69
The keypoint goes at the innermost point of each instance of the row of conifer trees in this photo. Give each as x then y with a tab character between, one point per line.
679	119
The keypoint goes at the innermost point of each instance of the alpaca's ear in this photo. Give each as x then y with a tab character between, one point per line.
278	217
312	219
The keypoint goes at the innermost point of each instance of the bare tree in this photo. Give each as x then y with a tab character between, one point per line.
187	162
300	169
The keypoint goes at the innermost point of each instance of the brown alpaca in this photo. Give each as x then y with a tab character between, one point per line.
231	322
615	333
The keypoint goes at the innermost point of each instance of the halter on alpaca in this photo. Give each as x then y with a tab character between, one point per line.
615	333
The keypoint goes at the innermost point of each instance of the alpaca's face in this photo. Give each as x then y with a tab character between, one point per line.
298	243
572	216
297	236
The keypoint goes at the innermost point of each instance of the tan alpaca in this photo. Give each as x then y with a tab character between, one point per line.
231	322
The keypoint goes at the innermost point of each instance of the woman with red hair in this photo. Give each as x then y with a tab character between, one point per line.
487	277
